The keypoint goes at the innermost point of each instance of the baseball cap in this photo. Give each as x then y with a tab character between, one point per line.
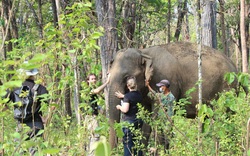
163	83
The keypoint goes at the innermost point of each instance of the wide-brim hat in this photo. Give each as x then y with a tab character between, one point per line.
28	72
31	72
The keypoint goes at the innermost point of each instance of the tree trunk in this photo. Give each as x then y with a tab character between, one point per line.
186	30
236	48
129	21
54	10
14	28
7	11
106	18
57	10
182	10
208	23
40	15
38	22
169	22
223	28
243	37
247	24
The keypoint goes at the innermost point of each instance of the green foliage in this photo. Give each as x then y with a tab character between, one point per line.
224	119
229	77
224	124
76	39
102	147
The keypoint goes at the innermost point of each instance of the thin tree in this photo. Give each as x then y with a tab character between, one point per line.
199	49
243	37
223	27
37	19
169	22
182	10
67	92
54	10
186	28
8	7
128	22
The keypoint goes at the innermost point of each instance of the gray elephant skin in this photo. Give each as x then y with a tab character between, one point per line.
176	62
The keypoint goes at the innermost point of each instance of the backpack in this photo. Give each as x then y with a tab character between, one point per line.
25	99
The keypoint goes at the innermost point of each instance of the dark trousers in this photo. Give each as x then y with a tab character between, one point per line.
128	138
35	128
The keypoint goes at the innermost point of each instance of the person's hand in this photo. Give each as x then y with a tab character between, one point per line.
119	94
44	119
147	83
118	107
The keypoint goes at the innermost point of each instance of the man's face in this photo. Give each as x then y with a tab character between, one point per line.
162	89
92	79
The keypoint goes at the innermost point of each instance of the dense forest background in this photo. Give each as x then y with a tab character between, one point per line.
68	39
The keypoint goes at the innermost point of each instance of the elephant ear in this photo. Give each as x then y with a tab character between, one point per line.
147	60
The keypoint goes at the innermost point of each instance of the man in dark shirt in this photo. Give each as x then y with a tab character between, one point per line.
91	79
129	109
34	121
91	120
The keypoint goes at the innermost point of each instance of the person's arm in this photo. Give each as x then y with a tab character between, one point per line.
150	88
100	88
123	108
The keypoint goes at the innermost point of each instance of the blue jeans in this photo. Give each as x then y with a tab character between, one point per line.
128	138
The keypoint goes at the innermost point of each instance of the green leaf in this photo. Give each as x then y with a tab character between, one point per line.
206	125
9	62
243	79
118	129
96	35
229	77
51	151
13	84
88	4
210	112
76	30
2	22
28	144
38	58
248	153
102	147
16	135
72	51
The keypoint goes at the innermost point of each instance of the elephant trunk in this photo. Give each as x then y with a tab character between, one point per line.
114	114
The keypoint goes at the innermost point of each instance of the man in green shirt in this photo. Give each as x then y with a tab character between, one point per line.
166	99
165	96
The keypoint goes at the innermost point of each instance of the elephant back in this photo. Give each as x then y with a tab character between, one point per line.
182	58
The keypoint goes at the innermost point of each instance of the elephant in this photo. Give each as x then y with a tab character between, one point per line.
177	62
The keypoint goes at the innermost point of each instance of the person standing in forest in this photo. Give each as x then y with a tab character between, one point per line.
27	108
166	99
129	109
91	118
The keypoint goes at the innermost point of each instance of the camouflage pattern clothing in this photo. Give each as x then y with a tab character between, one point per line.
167	102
